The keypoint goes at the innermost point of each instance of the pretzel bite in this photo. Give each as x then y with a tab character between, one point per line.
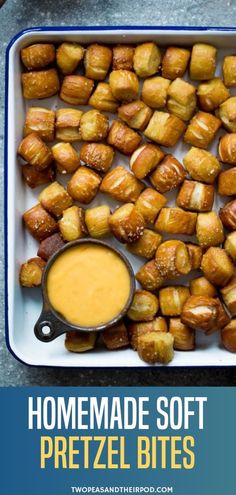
230	245
182	99
76	89
35	178
49	246
123	138
211	94
147	59
103	99
154	91
147	245
202	62
66	158
227	182
202	129
184	337
126	223
123	57
94	126
80	341
38	56
115	337
67	124
97	61
176	221
201	165
229	295
200	312
227	148
40	84
97	221
144	306
195	196
72	224
174	62
229	70
173	259
222	319
195	254
145	159
31	272
55	199
227	215
200	286
156	347
83	185
209	229
136	329
121	185
217	266
34	151
164	128
39	222
168	175
124	85
41	121
149	276
149	203
97	156
227	114
228	336
172	300
136	114
69	55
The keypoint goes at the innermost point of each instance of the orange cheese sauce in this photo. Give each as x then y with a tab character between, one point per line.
88	285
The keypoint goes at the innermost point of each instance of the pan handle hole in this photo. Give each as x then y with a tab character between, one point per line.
46	330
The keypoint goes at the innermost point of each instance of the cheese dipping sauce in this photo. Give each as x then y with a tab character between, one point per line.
88	285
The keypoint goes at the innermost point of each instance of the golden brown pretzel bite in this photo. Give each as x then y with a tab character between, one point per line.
72	224
39	222
41	121
123	138
174	62
121	185
127	223
217	266
35	151
123	57
144	159
83	185
168	175
40	84
154	91
164	128
97	61
69	55
147	58
149	203
76	89
31	272
202	62
173	259
195	196
67	124
202	129
38	56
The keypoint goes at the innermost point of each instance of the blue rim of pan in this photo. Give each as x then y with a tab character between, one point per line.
53	29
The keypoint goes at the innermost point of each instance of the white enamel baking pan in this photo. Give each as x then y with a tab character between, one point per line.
23	305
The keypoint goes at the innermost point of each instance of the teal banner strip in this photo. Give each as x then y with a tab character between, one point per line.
118	440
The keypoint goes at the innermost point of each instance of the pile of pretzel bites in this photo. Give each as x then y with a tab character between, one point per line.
154	105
